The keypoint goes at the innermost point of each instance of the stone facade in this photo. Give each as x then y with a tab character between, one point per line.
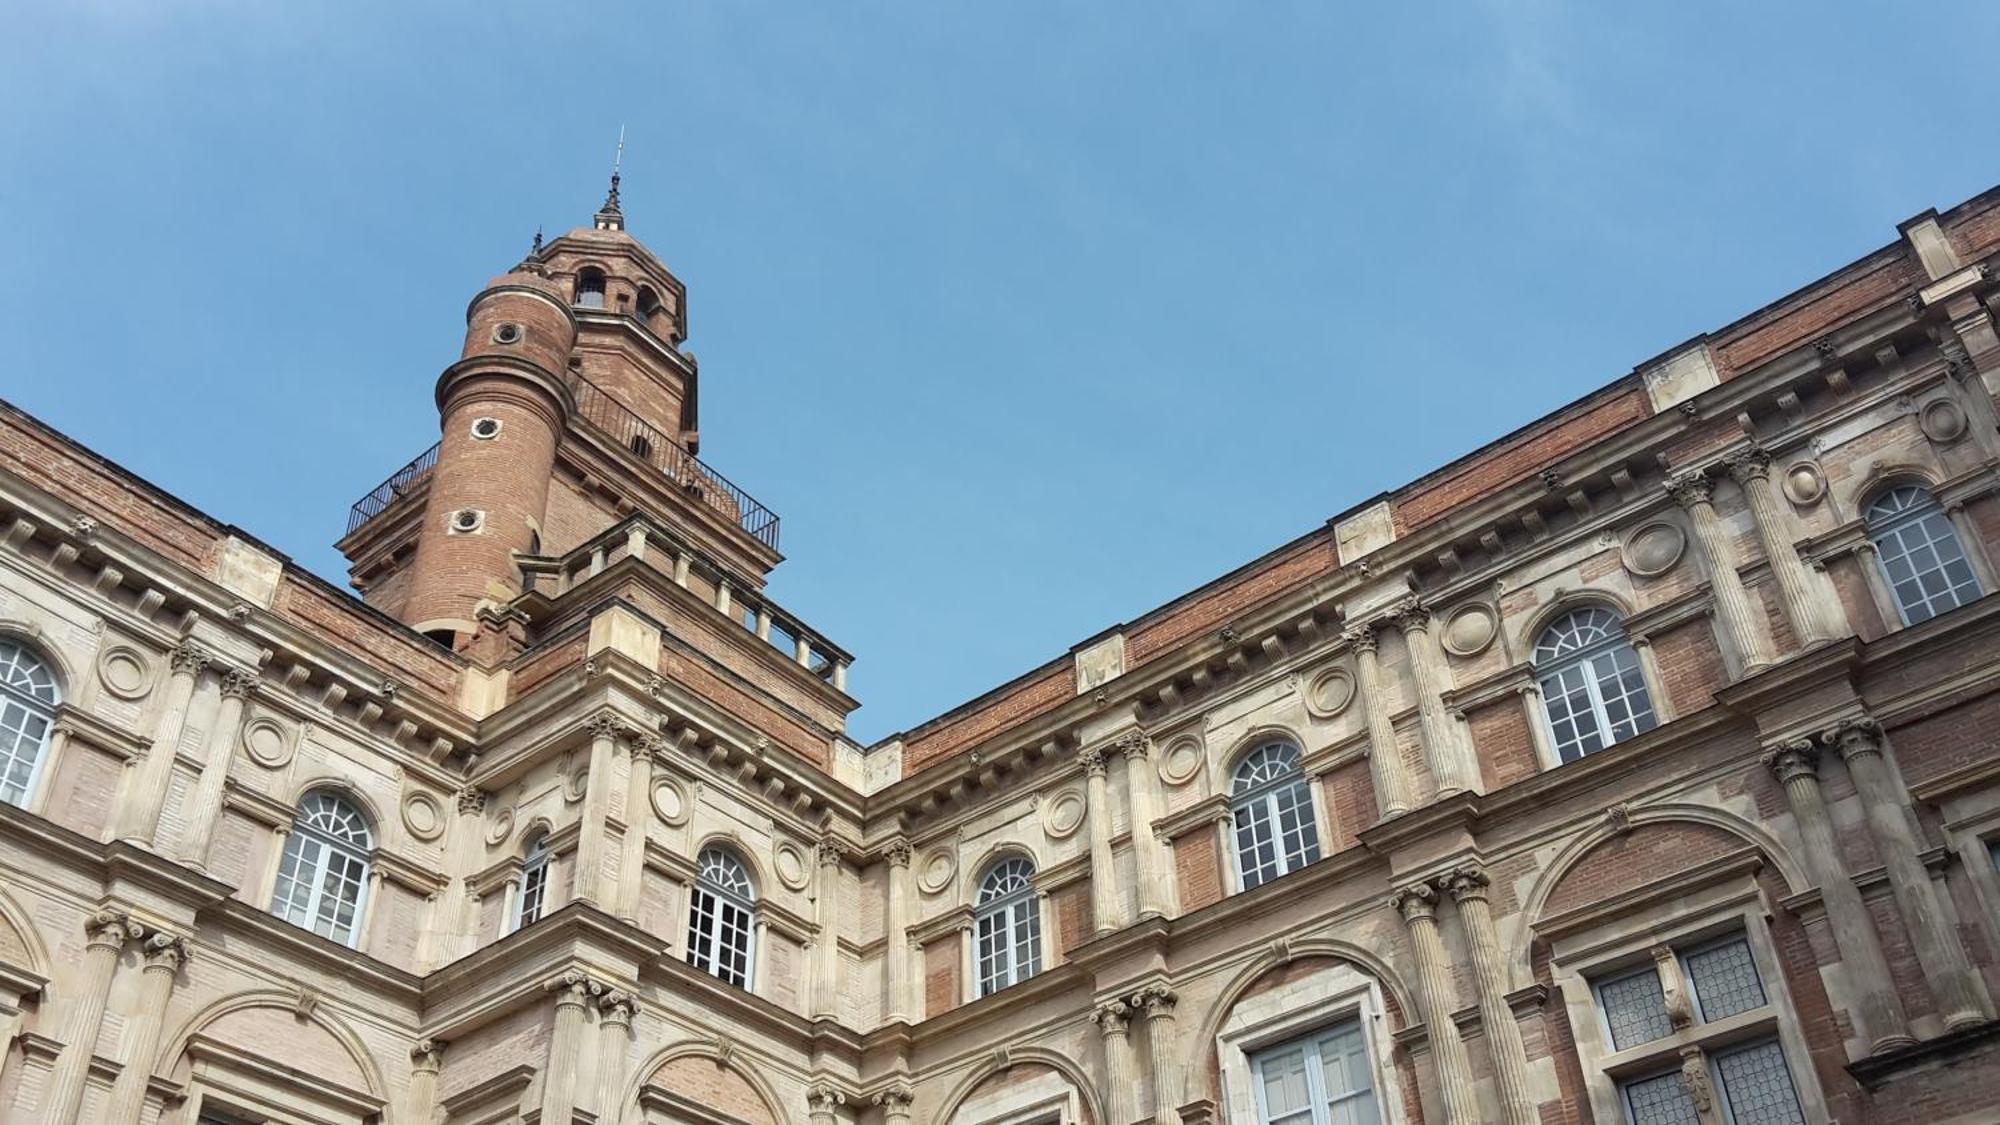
1639	766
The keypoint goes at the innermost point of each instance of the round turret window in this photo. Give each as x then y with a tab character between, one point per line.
486	429
507	333
465	521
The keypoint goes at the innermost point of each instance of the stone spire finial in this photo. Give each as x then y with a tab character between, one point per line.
609	217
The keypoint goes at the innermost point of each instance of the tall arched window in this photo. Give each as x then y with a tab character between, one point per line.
590	288
27	712
534	883
325	869
722	917
649	304
1009	925
1272	809
1593	691
1919	553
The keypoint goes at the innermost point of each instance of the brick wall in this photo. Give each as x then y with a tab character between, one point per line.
1640	857
1197	870
942	989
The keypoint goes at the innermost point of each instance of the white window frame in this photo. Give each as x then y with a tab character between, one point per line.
1908	518
719	899
1687	924
1013	912
1584	659
1315	1070
34	709
329	846
1262	797
535	867
1334	995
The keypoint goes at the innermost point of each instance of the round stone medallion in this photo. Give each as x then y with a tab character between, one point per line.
423	815
502	826
1804	485
790	864
670	802
1653	549
1469	629
1942	421
1063	813
267	742
125	672
1329	692
936	870
1181	760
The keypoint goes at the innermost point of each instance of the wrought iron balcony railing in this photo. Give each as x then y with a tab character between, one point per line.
386	493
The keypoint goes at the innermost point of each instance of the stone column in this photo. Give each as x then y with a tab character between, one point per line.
1148	855
826	945
1449	764
426	1058
823	1103
895	1102
1961	999
897	940
1392	782
140	813
1105	900
1878	1017
459	907
638	817
615	1012
1438	996
1806	603
109	931
1112	1018
164	954
205	805
1467	887
573	991
1157	1002
1695	493
606	731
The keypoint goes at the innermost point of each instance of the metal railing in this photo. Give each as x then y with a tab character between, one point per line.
389	491
657	449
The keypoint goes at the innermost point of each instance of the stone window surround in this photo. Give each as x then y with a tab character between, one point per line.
1852	538
1047	1100
1603	947
1970	801
1330	996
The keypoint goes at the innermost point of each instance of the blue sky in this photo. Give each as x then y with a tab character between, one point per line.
1026	317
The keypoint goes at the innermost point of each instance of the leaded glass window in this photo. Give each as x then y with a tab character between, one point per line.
1919	553
1635	1008
1271	808
324	873
1757	1087
722	916
1593	691
1007	926
27	714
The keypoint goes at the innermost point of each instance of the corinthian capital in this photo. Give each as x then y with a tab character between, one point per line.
1132	744
897	852
239	683
1691	489
471	801
607	725
1092	758
1797	758
1360	638
190	658
1411	614
1852	738
1752	464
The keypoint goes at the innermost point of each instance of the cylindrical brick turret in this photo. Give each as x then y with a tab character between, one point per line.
503	407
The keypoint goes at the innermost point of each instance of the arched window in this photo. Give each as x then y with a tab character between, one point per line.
1593	691
590	288
722	917
534	883
1272	808
649	303
1009	924
27	712
325	868
1919	553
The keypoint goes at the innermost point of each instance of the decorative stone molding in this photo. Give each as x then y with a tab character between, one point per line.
190	658
938	868
125	672
1063	813
1469	629
1942	421
1804	484
1112	1017
1653	548
1465	883
1360	638
789	864
1691	489
1851	738
1156	1000
1181	760
670	802
1330	691
1092	759
1796	758
897	853
1416	902
427	1055
423	817
239	683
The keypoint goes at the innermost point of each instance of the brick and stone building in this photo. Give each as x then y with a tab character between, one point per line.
1639	766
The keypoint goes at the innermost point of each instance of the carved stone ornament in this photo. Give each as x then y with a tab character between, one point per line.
501	828
1092	760
1694	1076
1328	692
1691	489
84	528
1360	638
1180	760
1653	548
1111	1017
427	1055
606	726
1804	484
239	683
1852	738
895	1099
1411	615
471	801
670	802
1796	758
897	853
1156	1000
937	869
1618	819
1942	420
823	1098
1749	465
125	672
190	658
423	815
1465	883
1417	902
790	864
1469	629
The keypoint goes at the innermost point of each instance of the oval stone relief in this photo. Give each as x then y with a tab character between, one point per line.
125	673
1329	692
670	802
936	870
1942	421
790	864
1804	485
1181	760
1469	629
1062	814
267	742
1652	549
423	815
502	826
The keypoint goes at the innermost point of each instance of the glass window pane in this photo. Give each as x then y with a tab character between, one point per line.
1757	1086
1635	1009
1660	1100
1725	980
